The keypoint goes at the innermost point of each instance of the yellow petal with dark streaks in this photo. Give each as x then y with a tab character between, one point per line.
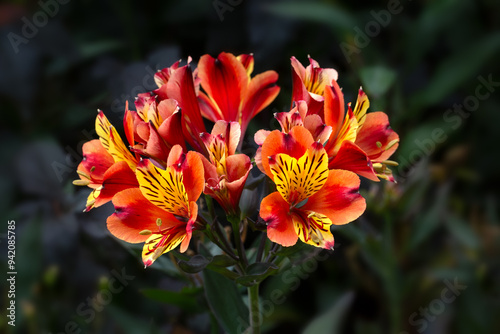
362	105
112	141
163	188
118	150
297	180
92	198
150	113
314	229
158	244
348	131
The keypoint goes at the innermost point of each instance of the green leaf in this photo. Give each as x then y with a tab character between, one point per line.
218	263
163	263
314	12
180	255
330	321
254	181
226	302
377	79
257	272
187	299
222	261
196	264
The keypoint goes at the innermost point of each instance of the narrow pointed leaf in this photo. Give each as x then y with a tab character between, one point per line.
226	302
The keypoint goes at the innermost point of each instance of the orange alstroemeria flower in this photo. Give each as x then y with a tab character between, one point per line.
230	94
225	171
309	84
360	142
162	212
182	85
107	166
163	76
297	116
154	128
309	197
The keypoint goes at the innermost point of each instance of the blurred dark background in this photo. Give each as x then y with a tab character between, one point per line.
424	258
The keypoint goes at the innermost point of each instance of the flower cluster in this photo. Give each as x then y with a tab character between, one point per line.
155	180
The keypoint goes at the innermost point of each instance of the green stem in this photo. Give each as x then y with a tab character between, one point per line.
210	206
255	316
222	237
272	252
262	245
235	224
218	239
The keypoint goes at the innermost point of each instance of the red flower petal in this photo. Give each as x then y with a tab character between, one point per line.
294	143
209	108
275	212
192	171
260	136
352	158
339	199
230	132
171	130
97	159
128	125
156	148
334	108
134	213
247	61
262	90
193	208
224	79
376	135
181	88
117	178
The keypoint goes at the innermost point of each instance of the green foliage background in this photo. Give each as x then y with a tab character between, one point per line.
439	224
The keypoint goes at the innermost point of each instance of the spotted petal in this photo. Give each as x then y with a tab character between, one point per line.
112	141
158	244
362	105
299	179
163	188
314	229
